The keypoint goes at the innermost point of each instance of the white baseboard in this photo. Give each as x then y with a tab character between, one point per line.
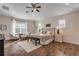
77	43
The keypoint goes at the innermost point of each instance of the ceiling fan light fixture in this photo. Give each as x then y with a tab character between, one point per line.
34	9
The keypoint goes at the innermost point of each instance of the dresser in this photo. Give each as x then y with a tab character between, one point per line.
2	44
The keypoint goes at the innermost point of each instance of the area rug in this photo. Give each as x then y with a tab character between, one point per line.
28	46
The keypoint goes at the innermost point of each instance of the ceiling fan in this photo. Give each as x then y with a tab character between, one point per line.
35	7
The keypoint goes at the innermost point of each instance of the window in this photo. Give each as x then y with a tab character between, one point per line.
19	27
62	23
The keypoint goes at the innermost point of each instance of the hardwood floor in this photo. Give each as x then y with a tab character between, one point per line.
52	49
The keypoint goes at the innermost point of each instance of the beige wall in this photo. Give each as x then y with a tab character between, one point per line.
7	21
31	26
71	32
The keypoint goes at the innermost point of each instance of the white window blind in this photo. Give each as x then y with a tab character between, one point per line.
19	27
62	23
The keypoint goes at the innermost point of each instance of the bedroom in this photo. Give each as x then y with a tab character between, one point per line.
50	30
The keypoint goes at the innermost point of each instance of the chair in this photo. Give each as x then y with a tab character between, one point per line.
25	36
12	37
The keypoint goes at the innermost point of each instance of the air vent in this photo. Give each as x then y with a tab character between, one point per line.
5	8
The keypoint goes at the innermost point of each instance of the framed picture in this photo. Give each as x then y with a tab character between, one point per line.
3	27
48	25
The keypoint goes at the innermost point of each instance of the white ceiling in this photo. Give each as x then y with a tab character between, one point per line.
48	9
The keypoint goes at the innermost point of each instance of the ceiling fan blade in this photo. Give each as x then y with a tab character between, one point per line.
34	4
28	7
38	7
32	10
37	10
31	3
